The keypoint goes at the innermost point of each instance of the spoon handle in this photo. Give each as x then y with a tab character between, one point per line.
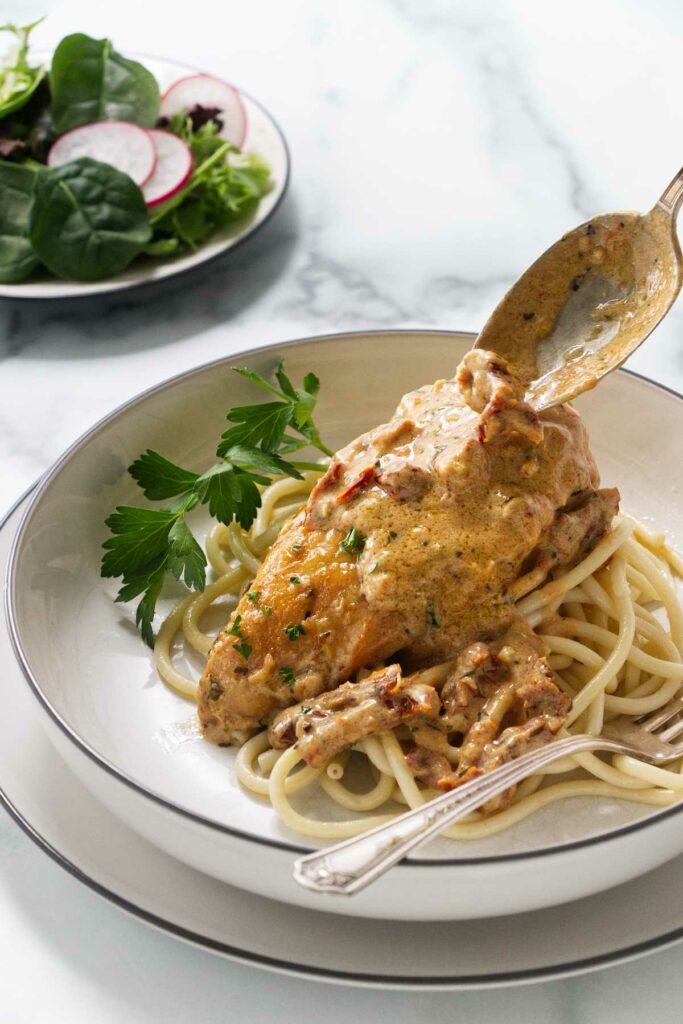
671	197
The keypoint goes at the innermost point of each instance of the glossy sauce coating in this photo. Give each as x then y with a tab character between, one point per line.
456	491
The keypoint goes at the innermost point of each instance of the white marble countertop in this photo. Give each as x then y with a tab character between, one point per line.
437	148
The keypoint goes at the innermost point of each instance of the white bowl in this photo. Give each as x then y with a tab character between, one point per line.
263	137
121	730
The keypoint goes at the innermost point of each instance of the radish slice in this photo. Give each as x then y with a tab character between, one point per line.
173	167
207	91
124	146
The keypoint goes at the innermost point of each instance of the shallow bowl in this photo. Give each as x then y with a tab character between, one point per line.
130	739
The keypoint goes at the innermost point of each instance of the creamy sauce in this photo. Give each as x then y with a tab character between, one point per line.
451	496
586	304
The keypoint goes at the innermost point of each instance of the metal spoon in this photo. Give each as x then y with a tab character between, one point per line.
589	301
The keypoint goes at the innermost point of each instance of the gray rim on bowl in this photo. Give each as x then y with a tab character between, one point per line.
103	763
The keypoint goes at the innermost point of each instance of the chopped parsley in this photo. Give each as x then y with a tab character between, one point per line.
253	596
294	580
304	709
353	542
287	675
296	548
295	631
236	628
267	610
244	648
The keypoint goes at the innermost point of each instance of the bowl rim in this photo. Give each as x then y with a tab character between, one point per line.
250	231
120	775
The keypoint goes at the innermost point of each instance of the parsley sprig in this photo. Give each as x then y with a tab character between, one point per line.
147	544
266	425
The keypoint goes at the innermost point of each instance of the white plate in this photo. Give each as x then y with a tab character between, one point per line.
118	726
263	137
61	816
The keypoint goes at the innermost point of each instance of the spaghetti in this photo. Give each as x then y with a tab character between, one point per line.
613	625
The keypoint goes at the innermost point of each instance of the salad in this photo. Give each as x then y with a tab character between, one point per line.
98	169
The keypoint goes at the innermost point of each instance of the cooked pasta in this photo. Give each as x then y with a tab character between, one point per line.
613	625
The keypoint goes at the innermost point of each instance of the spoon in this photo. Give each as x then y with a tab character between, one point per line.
589	301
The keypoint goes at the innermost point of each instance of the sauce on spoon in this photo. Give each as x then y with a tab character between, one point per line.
587	303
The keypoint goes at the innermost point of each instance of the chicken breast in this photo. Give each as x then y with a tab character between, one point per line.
416	541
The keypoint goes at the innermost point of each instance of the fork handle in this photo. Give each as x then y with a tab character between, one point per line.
353	864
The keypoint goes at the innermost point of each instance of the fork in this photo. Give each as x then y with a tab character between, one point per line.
350	866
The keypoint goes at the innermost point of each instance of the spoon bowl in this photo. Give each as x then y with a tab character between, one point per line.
589	301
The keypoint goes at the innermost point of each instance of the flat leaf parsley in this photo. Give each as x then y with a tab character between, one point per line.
147	544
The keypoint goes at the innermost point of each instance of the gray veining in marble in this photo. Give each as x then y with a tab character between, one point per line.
438	146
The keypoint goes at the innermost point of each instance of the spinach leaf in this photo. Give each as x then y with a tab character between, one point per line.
90	81
88	220
18	80
17	258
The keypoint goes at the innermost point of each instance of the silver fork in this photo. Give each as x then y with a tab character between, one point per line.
353	864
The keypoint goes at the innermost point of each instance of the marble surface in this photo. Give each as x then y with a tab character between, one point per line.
437	147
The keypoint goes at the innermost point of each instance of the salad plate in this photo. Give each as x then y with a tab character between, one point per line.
134	743
84	838
263	137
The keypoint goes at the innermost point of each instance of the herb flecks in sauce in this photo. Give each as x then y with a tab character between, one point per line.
286	674
244	648
236	627
447	555
354	542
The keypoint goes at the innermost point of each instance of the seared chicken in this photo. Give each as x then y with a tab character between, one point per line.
415	543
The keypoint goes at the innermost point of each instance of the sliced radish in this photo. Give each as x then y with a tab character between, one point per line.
124	146
173	167
207	91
